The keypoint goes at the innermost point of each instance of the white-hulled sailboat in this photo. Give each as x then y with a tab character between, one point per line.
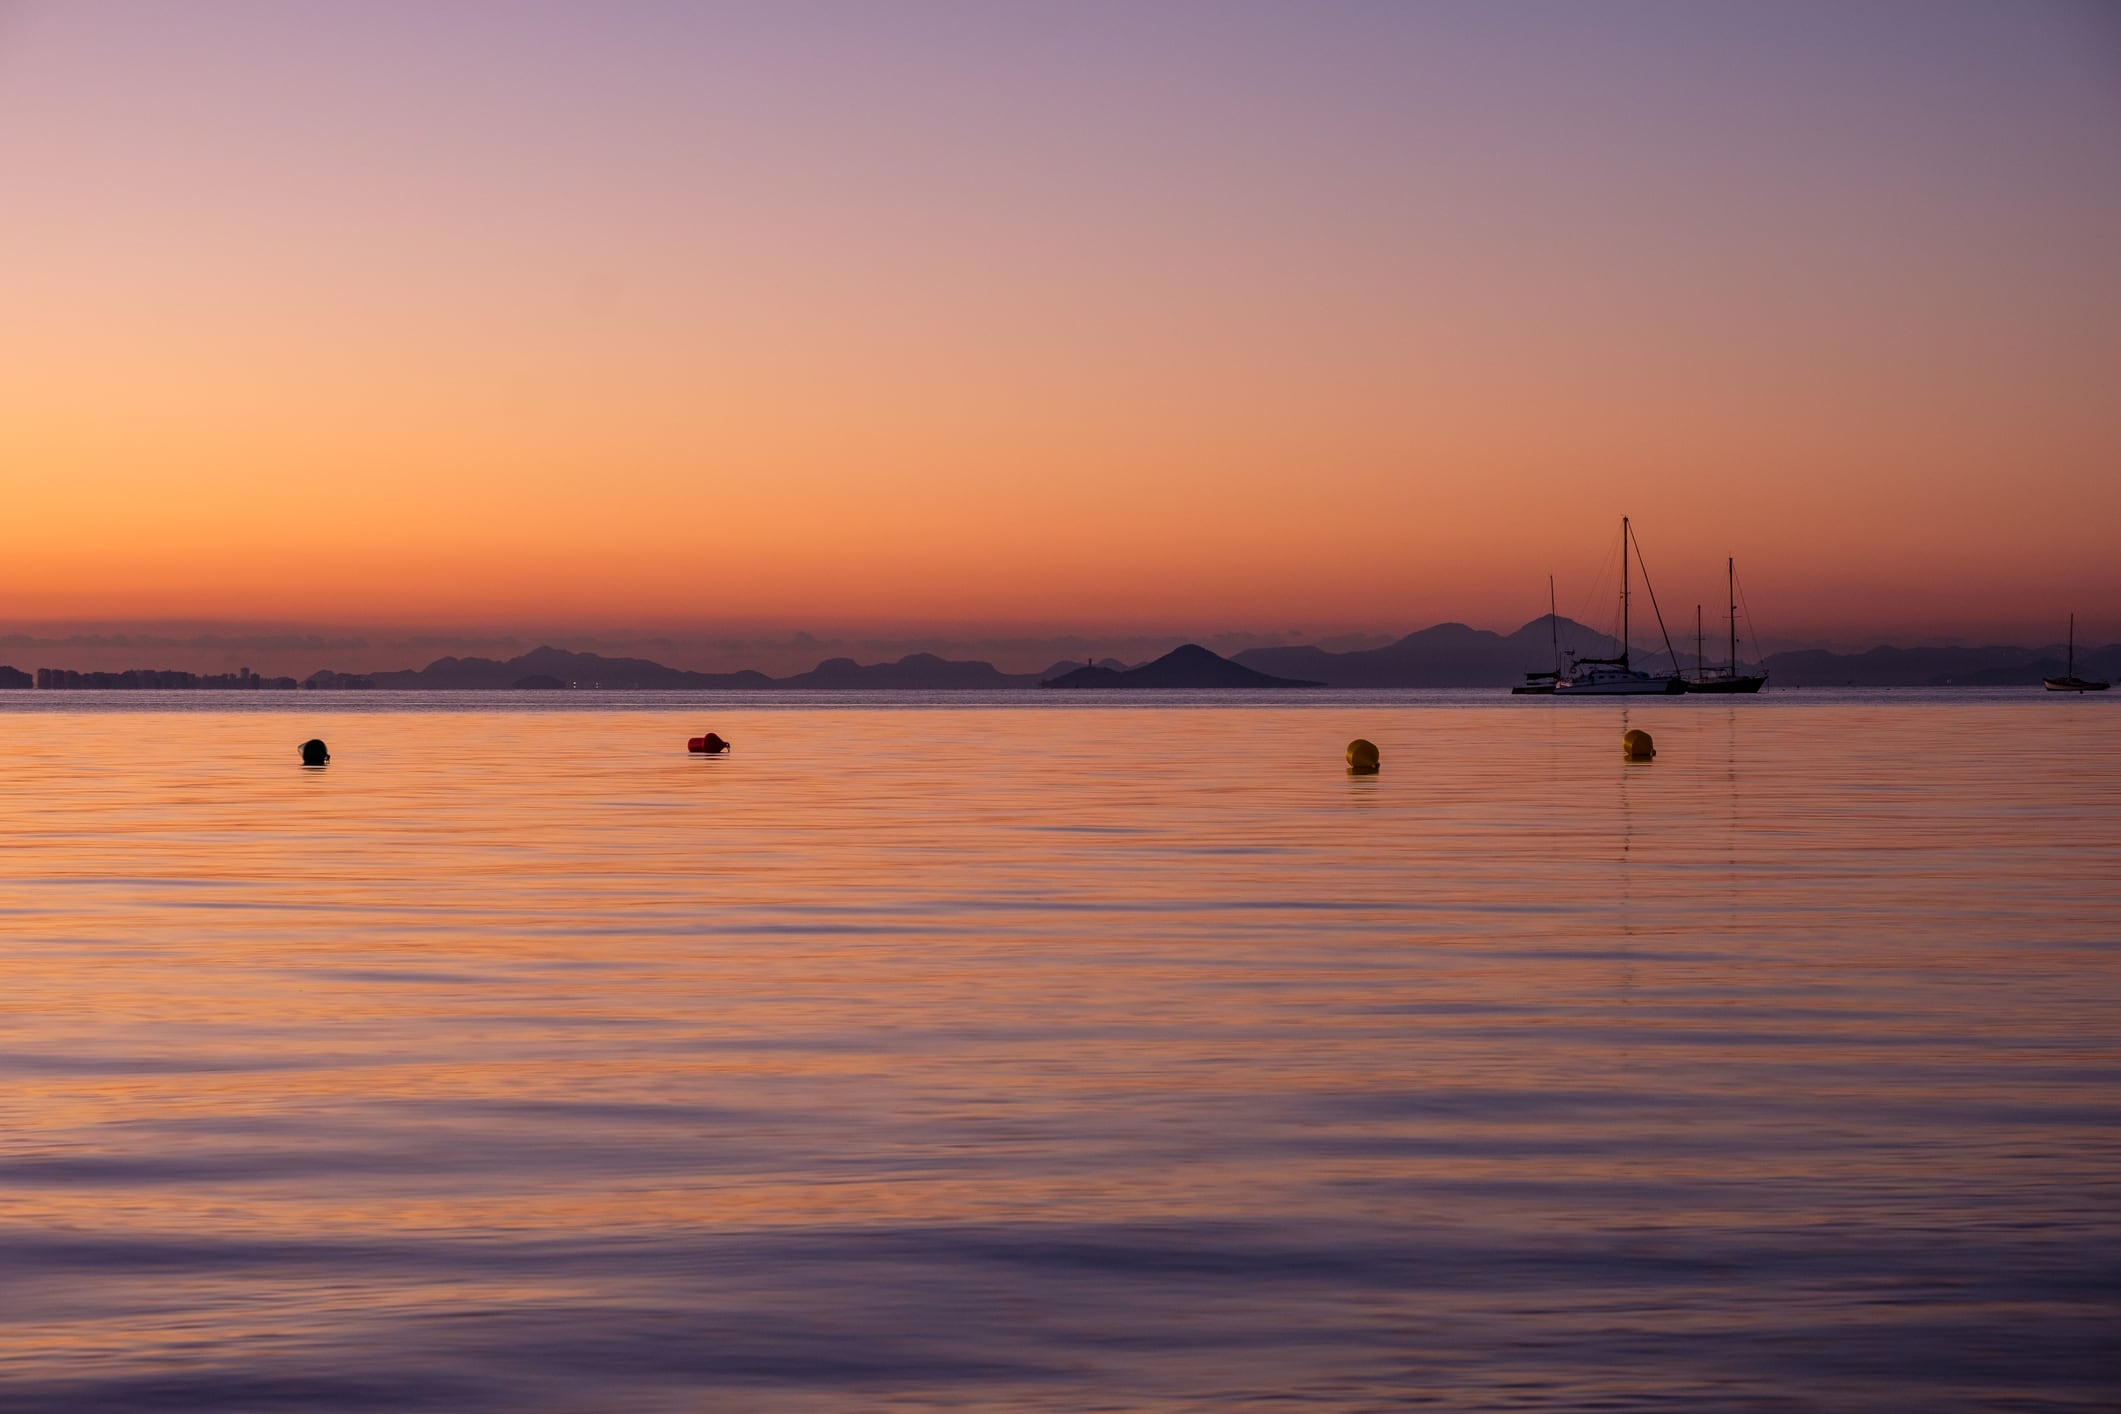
1614	677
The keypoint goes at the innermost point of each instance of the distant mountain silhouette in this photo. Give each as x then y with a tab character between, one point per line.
1069	665
1448	655
556	667
922	671
569	669
1936	667
1187	666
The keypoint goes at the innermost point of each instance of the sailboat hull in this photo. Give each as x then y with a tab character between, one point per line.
1737	684
1620	685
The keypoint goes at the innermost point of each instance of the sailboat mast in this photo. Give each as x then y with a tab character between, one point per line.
1730	590
1700	672
1623	594
2069	669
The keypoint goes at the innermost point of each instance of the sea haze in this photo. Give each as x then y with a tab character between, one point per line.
1065	1055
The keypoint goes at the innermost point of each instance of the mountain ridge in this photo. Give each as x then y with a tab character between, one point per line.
1446	655
1442	655
1188	667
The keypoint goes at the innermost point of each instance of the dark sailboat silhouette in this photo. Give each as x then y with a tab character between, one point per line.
2069	681
1727	678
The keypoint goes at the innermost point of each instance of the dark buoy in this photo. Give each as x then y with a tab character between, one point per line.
1362	757
315	752
710	744
1636	745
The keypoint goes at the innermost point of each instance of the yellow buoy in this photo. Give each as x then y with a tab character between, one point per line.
1636	745
1362	757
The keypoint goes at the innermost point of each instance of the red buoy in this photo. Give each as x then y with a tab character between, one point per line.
709	744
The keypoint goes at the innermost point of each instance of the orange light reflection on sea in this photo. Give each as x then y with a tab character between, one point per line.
498	1007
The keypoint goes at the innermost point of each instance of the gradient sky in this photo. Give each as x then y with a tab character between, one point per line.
1037	316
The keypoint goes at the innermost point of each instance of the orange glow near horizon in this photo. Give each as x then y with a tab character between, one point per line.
634	337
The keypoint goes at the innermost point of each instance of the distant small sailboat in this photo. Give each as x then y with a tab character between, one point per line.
1542	684
1613	677
1724	679
2069	681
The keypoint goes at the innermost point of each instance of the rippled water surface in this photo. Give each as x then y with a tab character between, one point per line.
1112	1057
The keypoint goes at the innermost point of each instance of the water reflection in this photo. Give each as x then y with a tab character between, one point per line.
504	1066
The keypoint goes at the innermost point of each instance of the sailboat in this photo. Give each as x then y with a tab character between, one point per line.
2069	681
1542	684
1613	677
1725	679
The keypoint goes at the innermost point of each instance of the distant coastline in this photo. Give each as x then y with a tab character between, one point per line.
1443	656
144	679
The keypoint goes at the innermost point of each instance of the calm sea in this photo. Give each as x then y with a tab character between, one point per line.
1081	1055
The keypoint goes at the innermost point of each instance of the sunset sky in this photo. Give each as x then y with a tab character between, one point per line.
990	319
